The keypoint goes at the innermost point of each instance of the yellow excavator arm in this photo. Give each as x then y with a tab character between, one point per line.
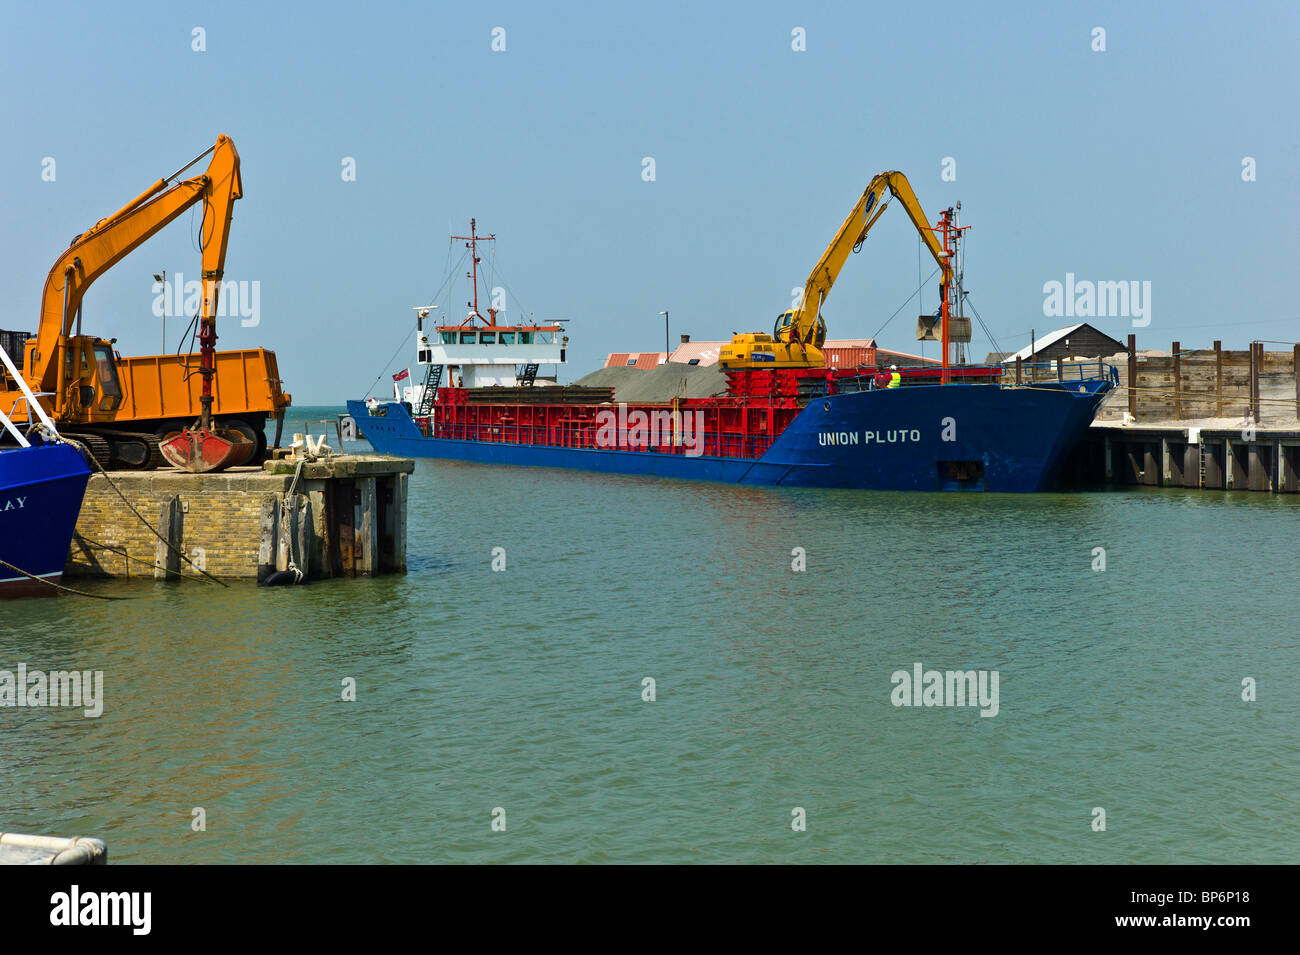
800	332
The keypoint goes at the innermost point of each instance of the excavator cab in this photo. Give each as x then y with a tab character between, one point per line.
91	386
107	394
782	323
782	330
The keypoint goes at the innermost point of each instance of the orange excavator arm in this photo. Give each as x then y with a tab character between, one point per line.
110	240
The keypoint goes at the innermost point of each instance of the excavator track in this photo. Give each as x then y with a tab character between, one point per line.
136	451
122	450
98	447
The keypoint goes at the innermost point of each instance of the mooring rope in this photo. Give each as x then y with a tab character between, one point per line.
121	552
291	565
70	590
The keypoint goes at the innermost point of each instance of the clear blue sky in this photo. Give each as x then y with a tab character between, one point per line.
1122	165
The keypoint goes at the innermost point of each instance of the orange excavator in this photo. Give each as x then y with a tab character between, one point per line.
135	412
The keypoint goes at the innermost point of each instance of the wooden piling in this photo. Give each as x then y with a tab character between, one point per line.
1218	379
1192	465
1288	480
367	530
343	503
1178	379
1259	466
1132	375
1238	460
1215	453
1295	374
266	546
171	527
320	545
295	534
1255	361
1151	463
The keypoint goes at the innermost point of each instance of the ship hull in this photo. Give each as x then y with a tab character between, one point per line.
41	489
920	438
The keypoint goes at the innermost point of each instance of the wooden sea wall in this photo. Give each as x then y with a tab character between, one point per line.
1205	383
1190	384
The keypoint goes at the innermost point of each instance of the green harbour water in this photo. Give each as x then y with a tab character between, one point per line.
522	689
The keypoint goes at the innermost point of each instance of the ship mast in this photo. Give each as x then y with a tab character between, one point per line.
949	292
472	244
958	268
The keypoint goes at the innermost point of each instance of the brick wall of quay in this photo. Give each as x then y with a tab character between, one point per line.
220	515
345	517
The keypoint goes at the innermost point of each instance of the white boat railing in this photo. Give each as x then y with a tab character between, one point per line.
18	435
32	405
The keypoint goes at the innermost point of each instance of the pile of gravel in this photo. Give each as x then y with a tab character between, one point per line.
660	384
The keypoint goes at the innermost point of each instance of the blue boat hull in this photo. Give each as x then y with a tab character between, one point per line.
41	489
920	438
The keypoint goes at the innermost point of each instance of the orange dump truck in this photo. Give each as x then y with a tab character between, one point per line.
144	400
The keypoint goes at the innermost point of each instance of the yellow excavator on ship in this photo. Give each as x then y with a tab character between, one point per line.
800	332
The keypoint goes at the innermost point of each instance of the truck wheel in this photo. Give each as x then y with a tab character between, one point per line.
167	431
253	435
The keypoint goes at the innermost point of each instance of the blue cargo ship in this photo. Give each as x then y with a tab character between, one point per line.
925	436
788	416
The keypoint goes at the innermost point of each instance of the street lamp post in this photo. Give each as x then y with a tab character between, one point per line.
667	351
163	280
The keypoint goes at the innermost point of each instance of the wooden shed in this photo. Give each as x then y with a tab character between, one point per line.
1075	341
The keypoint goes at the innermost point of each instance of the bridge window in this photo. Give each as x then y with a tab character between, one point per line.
487	338
468	338
507	338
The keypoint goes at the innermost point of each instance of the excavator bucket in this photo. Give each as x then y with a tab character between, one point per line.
200	450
